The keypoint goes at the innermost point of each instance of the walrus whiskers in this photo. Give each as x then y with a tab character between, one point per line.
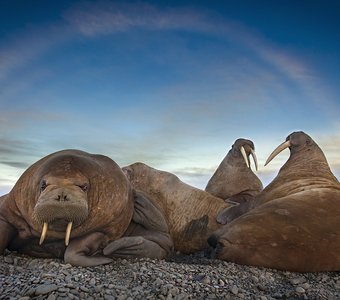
68	233
43	233
278	149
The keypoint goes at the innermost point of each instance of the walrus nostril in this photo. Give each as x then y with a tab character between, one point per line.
213	240
62	197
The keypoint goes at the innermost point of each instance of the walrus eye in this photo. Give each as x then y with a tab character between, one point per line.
84	187
43	185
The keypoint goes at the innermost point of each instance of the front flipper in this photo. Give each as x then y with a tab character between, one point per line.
134	246
147	236
148	215
241	205
7	233
82	251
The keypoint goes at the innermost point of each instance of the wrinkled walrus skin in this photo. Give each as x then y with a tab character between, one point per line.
77	203
295	225
190	213
235	182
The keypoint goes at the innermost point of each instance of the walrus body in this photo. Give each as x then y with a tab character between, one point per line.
190	213
75	202
295	225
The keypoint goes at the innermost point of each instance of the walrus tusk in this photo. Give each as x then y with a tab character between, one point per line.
278	149
43	233
68	233
244	155
252	152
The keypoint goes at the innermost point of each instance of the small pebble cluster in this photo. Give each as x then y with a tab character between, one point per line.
180	277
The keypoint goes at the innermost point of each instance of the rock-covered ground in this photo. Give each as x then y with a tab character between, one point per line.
181	277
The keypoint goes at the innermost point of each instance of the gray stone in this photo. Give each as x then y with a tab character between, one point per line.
45	289
300	290
234	290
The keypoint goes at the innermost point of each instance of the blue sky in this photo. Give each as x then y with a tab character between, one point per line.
171	84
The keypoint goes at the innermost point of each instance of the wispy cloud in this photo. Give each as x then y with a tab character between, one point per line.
105	17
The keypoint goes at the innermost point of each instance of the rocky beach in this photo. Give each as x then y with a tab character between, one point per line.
180	277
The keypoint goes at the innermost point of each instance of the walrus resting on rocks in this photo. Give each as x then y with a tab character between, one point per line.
295	225
235	182
71	204
191	214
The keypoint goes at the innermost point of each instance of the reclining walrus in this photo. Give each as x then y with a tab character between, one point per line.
191	214
295	225
77	203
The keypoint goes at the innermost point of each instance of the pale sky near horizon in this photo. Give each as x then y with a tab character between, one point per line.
168	83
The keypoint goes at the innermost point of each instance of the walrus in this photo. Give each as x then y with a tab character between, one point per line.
191	214
72	204
234	181
295	224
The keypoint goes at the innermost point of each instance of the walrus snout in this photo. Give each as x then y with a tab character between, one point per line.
60	208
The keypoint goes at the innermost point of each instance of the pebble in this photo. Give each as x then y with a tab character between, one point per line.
234	290
45	289
300	290
8	260
297	280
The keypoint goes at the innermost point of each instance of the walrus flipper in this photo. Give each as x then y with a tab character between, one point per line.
147	236
148	215
82	251
134	246
241	205
7	233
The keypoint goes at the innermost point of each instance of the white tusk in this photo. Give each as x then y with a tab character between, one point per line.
43	233
278	149
68	233
244	155
254	158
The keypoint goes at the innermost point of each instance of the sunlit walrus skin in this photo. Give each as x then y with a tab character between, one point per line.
72	204
295	224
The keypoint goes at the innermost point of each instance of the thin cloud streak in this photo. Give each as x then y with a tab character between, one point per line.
108	18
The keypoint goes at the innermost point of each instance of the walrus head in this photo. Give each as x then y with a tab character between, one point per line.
305	156
72	190
306	168
234	175
62	201
296	141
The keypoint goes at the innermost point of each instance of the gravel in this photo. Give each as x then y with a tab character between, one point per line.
180	277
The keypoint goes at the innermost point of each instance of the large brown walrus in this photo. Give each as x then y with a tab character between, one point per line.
77	203
191	214
295	225
234	180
